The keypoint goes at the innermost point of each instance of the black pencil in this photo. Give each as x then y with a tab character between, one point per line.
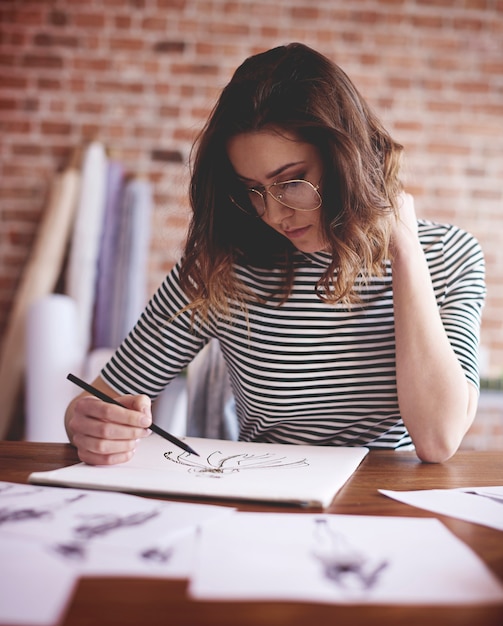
153	427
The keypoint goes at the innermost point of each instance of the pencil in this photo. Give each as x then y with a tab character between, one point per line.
153	427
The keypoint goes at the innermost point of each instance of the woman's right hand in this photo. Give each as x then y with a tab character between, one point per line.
103	433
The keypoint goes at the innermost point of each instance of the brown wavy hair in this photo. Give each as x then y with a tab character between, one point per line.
291	88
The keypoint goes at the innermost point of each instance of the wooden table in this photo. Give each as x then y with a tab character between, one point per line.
147	602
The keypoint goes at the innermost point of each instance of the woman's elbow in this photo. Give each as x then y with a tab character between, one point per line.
436	450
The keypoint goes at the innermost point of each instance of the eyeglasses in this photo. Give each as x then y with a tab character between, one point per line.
300	195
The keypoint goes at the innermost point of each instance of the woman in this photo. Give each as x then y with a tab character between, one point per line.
343	319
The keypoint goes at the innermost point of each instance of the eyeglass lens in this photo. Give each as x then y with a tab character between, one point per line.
295	194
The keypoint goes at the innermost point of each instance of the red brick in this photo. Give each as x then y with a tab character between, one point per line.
114	86
26	16
169	46
222	28
172	156
48	40
427	21
154	24
126	44
94	108
477	87
42	61
27	149
123	21
195	69
90	20
15	126
52	84
56	128
305	12
8	104
438	3
467	23
58	18
445	106
169	111
171	4
13	82
86	64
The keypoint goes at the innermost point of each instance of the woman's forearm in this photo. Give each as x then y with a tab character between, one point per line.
436	401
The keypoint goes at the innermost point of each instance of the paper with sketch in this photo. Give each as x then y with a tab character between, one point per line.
338	559
481	505
98	533
35	586
296	474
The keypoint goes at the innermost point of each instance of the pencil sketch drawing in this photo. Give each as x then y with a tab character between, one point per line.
157	555
16	514
218	465
342	563
95	526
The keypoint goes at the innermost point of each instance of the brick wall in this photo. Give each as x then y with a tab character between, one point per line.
142	76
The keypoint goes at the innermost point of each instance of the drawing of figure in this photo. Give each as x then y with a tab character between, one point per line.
98	526
157	555
218	465
13	513
342	563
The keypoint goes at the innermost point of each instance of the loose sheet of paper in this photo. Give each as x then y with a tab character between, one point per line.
104	533
35	586
338	559
57	535
481	505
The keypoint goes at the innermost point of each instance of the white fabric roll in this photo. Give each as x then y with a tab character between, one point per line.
86	240
39	278
52	352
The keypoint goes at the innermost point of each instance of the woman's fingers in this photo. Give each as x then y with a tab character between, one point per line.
105	433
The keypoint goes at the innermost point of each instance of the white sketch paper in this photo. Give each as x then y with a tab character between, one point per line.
300	474
105	533
339	559
35	586
480	505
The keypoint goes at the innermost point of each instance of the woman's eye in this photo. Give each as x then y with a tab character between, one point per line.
291	185
286	185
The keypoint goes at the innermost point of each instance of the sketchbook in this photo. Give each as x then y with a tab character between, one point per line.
236	470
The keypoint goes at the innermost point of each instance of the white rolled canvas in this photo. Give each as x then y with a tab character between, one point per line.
52	351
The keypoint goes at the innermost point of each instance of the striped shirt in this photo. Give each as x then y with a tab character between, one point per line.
307	371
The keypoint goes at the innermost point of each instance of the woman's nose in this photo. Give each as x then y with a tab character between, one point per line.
275	211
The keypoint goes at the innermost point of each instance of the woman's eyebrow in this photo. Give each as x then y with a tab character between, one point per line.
274	173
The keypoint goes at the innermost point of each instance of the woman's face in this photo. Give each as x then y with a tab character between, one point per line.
264	157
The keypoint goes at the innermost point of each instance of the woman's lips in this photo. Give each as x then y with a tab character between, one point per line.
295	233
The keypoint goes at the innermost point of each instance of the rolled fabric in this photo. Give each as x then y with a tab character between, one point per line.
52	351
107	261
130	284
86	239
39	279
